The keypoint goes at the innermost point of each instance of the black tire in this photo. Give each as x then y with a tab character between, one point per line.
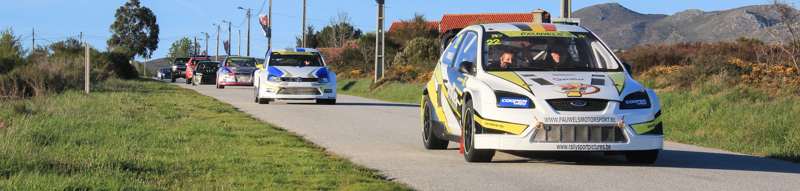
188	80
467	137
255	92
642	157
326	101
429	139
173	78
261	100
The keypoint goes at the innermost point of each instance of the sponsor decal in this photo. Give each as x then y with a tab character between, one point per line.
584	147
449	56
580	119
575	89
636	102
565	79
563	74
513	102
538	33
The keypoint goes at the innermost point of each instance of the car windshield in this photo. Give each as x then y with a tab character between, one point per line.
181	61
206	65
295	59
241	62
546	51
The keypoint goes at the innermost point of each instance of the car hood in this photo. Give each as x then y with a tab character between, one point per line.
298	71
560	85
239	70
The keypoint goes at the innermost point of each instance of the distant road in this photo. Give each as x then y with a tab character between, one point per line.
387	136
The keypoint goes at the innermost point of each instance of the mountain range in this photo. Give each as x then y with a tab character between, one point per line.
622	28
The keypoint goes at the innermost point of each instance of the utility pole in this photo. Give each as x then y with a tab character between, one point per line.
379	39
86	74
33	39
216	58
248	30
269	40
229	36
81	37
205	33
304	24
194	46
566	8
240	43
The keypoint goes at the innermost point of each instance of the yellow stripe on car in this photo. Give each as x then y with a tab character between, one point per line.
513	78
512	128
646	127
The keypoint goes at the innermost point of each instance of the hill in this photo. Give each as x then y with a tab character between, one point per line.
621	27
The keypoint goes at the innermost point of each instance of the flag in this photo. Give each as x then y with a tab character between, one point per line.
264	20
227	46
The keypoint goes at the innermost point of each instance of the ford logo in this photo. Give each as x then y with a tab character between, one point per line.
578	103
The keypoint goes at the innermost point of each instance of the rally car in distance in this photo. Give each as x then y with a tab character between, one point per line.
294	74
164	73
191	64
538	87
205	72
236	70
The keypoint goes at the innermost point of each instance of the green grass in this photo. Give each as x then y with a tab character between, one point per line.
395	92
738	119
149	135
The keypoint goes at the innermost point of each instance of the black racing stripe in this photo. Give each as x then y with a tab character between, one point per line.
522	27
658	114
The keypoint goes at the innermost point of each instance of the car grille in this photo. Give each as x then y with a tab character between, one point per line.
566	104
243	78
579	134
299	91
294	79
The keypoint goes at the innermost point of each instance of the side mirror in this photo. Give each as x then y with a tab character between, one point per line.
466	67
628	68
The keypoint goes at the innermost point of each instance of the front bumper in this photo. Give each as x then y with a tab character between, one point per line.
297	90
543	129
238	80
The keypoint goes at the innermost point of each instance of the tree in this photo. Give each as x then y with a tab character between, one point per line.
785	32
415	27
10	45
182	47
338	31
135	28
312	40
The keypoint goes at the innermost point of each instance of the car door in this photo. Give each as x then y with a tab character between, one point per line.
456	81
448	56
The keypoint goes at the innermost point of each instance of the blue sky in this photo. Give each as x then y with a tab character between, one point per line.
55	20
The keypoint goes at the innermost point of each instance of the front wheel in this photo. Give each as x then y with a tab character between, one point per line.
188	80
173	78
468	138
642	157
429	139
326	101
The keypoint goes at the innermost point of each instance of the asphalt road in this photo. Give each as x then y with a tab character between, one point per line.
387	136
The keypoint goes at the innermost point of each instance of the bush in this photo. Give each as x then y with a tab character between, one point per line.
417	59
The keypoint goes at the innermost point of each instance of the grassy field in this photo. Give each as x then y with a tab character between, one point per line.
395	92
739	119
148	135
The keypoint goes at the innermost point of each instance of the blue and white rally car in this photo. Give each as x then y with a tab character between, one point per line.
538	87
294	74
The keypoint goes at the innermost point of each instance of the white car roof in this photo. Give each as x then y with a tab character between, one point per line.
294	50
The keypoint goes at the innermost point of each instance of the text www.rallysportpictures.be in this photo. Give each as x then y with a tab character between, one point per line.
584	147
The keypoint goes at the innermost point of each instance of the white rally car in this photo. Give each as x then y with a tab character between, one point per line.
294	74
538	87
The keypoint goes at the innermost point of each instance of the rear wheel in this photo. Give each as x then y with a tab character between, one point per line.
642	157
428	138
188	80
468	138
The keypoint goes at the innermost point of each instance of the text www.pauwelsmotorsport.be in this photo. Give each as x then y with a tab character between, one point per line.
584	147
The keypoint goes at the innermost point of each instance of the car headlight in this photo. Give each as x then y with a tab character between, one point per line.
513	100
273	78
174	68
636	100
323	80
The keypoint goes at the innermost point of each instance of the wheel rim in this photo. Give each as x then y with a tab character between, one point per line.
426	125
468	131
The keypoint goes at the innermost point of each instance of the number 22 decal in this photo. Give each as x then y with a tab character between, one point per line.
493	42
